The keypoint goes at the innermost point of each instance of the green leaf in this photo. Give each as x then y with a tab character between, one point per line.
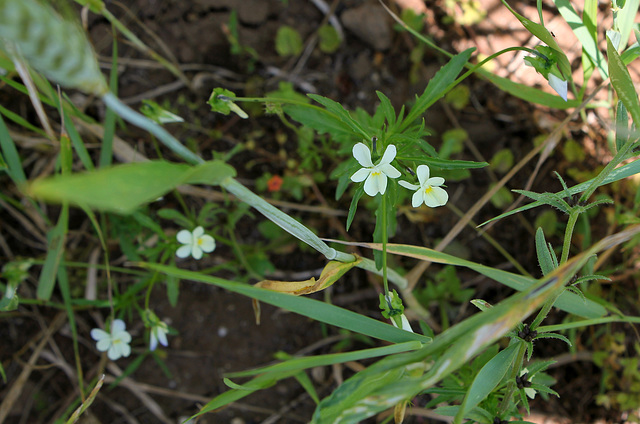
623	84
553	336
527	93
615	175
625	20
438	86
341	113
288	41
11	155
387	108
453	347
55	251
311	308
221	101
154	111
124	188
354	205
585	32
622	126
444	163
567	301
298	364
321	121
488	378
329	40
544	256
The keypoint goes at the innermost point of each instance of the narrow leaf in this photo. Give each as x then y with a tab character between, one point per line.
544	257
622	83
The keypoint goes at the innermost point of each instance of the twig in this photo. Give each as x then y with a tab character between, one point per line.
14	392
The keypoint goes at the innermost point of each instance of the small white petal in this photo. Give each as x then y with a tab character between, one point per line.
381	180
207	243
435	181
153	340
362	154
408	185
405	324
417	198
389	170
98	334
360	175
184	236
389	155
196	252
435	197
125	350
117	326
184	251
162	337
423	174
559	85
198	232
103	345
114	352
371	186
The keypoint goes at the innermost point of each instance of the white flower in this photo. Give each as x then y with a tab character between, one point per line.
376	175
116	343
429	190
403	321
158	334
531	393
559	85
195	243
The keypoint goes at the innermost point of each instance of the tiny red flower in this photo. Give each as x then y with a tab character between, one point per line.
274	183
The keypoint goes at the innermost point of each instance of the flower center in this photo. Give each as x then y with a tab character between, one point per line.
376	173
428	190
199	242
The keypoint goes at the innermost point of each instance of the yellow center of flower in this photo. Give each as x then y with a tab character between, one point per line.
428	190
199	242
376	173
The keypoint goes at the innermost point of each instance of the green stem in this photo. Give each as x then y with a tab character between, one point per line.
384	245
147	124
511	385
568	235
301	232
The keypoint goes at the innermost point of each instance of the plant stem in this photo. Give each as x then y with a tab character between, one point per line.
568	234
302	233
384	245
511	385
147	124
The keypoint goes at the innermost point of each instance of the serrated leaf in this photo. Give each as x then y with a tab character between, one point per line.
542	251
553	336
